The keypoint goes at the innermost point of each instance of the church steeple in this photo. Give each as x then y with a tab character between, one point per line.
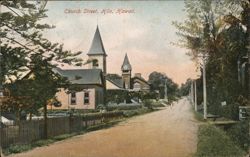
97	54
126	66
126	72
97	47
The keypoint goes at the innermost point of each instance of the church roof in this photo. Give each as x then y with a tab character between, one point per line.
126	65
140	78
118	82
82	76
97	47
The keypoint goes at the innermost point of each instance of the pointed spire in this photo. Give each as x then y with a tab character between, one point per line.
97	47
126	65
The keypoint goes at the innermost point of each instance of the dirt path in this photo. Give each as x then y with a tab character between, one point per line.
167	133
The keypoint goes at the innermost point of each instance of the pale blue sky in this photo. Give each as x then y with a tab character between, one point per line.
144	35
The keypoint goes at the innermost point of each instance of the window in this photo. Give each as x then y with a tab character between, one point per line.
95	63
86	98
73	98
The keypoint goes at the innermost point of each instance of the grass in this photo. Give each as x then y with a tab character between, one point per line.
214	142
198	116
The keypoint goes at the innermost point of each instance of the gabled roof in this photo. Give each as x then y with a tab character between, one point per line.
126	65
141	79
97	47
82	76
117	82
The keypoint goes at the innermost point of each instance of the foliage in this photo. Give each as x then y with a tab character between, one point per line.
184	89
93	116
211	29
148	103
116	96
214	142
64	136
239	134
131	113
158	81
18	148
23	48
41	143
198	116
123	107
156	104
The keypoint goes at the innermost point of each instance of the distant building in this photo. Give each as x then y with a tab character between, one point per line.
126	81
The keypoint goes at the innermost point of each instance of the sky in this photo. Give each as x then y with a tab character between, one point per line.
144	31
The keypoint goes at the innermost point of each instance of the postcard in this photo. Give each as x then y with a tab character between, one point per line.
125	78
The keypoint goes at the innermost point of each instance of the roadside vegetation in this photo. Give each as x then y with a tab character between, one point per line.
217	32
214	142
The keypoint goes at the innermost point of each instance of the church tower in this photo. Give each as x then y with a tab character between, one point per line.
97	54
126	72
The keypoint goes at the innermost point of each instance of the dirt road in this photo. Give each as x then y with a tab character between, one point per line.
167	133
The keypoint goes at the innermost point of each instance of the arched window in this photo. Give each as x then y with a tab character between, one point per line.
95	63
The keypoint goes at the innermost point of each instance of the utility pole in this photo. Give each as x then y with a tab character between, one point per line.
166	91
192	93
204	87
195	96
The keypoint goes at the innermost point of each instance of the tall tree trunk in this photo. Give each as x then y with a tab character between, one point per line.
45	121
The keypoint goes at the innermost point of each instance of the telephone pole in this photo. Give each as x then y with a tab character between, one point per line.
166	90
204	87
195	96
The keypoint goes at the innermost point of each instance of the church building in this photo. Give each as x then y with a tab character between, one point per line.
88	85
127	82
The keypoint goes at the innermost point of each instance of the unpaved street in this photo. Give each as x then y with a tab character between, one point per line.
167	133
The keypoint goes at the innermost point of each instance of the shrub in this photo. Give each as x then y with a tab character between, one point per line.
18	148
42	142
214	142
158	104
130	113
93	116
135	112
64	136
123	107
148	103
198	116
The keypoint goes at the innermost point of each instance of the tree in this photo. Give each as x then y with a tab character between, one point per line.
206	30
243	21
158	80
23	48
185	88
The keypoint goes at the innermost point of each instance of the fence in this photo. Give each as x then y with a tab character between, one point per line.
29	131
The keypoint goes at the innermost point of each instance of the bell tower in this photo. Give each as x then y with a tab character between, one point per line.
126	72
97	54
